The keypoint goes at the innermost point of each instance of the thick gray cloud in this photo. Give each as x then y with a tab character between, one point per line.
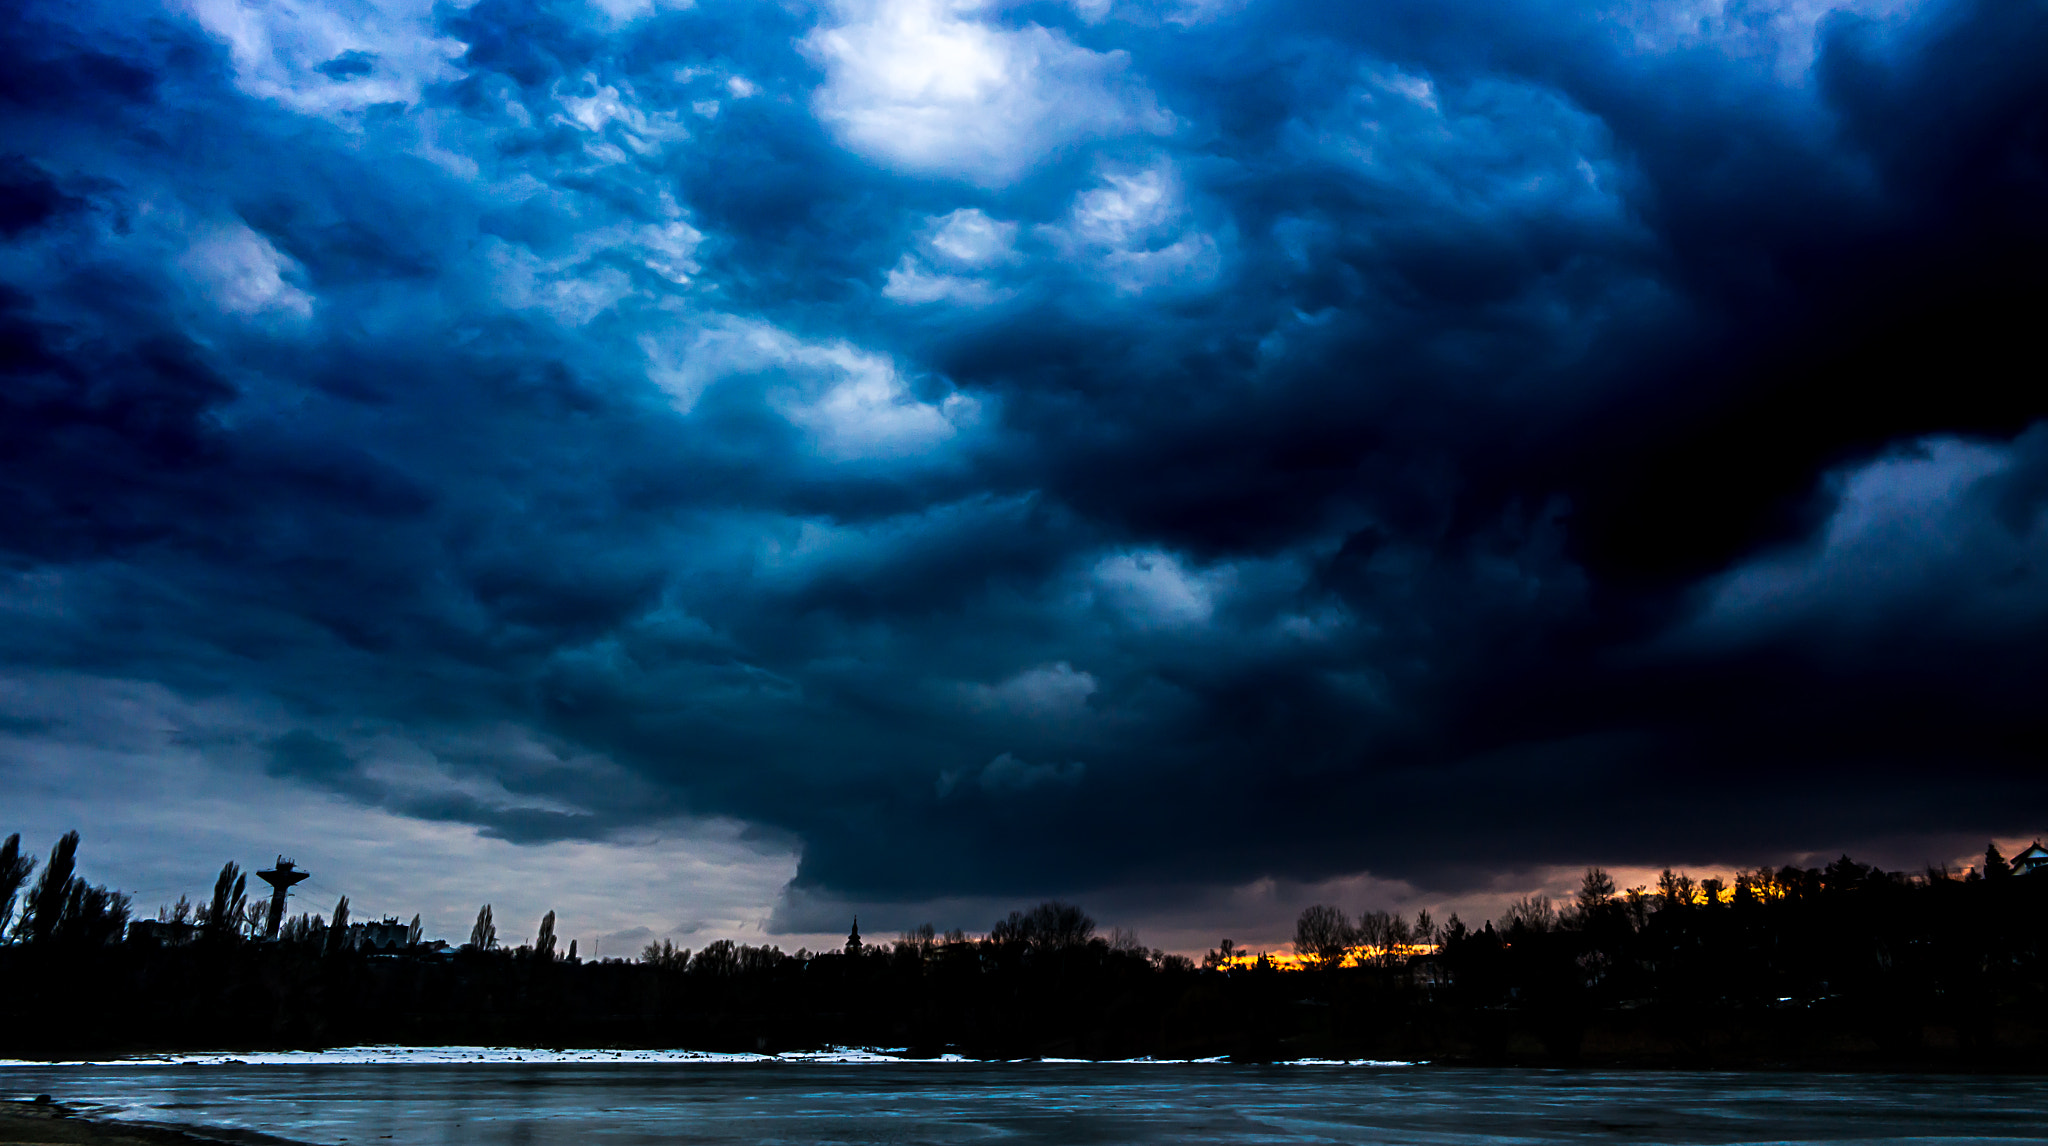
999	450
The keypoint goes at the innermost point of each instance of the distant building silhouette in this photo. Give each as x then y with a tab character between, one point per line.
853	944
385	935
163	932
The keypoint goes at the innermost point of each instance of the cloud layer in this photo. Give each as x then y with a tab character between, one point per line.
996	450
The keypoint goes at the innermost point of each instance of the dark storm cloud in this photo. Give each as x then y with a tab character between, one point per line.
1074	449
28	198
349	65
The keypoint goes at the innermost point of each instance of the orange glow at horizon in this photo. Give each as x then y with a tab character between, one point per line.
1355	957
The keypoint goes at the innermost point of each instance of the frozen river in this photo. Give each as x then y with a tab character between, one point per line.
448	1097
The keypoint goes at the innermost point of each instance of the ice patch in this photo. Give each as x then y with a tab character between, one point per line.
430	1056
456	1056
1348	1063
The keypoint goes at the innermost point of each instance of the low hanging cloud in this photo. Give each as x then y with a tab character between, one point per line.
1007	774
914	455
1933	535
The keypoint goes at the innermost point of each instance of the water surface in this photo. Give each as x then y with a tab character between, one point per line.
626	1103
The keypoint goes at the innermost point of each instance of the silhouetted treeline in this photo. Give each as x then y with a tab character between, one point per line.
1839	966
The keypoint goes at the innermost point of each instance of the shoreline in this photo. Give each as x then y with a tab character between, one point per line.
855	1057
56	1124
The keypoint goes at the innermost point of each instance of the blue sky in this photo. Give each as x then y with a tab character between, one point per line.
714	467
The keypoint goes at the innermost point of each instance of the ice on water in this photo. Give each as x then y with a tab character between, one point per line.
502	1096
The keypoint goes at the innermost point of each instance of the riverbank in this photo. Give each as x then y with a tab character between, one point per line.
55	1124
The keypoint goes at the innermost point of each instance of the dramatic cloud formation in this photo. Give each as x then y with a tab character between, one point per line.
921	454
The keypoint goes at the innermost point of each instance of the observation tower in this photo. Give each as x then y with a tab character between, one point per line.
280	878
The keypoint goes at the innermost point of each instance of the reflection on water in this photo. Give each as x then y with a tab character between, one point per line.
624	1103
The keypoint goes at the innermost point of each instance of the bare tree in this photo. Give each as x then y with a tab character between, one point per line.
1383	934
52	891
93	916
544	945
337	932
484	936
64	908
919	941
15	869
230	896
666	955
1637	905
1531	912
1323	933
720	958
1051	924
